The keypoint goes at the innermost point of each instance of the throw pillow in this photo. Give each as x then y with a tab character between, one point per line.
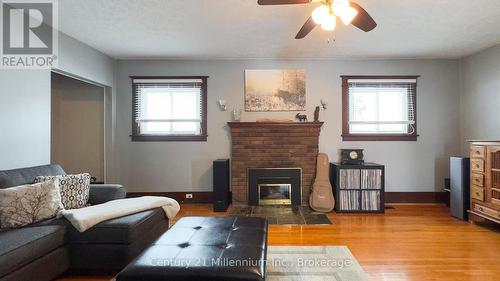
74	189
27	204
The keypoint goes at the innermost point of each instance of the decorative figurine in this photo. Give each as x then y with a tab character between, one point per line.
301	117
316	114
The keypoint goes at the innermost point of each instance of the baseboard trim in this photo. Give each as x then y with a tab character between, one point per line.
390	197
416	197
198	197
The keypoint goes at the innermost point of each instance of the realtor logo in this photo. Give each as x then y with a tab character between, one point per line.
29	34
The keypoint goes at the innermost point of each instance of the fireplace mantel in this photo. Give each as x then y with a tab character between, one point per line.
274	124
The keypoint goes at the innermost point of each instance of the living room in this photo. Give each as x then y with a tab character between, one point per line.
277	131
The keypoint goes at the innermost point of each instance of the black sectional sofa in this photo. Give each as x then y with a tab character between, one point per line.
49	248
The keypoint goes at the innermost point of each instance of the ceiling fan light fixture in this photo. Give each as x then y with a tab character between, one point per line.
340	6
329	23
320	14
348	15
326	13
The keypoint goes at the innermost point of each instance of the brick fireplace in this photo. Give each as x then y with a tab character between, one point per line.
272	145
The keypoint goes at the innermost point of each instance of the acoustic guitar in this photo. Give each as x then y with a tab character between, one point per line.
321	198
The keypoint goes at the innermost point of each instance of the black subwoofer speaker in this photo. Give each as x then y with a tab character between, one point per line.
222	194
459	187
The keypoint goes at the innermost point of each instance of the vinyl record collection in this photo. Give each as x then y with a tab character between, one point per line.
349	179
360	189
349	200
371	179
370	200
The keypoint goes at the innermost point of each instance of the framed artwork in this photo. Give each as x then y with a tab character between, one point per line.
275	90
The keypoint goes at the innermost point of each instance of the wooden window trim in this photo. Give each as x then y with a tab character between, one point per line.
346	136
136	136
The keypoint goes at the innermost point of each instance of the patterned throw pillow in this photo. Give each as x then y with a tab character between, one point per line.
74	189
27	204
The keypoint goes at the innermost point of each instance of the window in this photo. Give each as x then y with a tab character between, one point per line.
378	108
169	108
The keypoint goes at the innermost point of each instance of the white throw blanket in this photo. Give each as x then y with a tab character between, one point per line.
84	218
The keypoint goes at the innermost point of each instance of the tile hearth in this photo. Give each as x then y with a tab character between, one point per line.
301	215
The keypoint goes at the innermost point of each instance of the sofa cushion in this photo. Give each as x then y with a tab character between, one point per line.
74	189
123	230
26	204
9	178
19	247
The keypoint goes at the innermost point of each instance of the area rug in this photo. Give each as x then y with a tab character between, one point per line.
282	214
317	263
312	263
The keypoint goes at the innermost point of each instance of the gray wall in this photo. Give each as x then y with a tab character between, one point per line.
81	60
25	102
185	166
24	118
77	120
480	77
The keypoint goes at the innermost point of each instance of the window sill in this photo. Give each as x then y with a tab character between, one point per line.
160	138
352	137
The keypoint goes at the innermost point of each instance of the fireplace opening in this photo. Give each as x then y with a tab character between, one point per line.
274	186
275	194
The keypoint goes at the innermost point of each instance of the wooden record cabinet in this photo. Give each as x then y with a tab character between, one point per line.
485	180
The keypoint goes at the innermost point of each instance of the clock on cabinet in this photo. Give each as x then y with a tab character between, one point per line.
352	156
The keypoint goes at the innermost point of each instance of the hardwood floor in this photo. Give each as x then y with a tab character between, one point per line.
409	242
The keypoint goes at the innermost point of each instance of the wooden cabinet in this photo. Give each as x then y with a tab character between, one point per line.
485	180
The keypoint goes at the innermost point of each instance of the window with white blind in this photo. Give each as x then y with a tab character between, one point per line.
169	108
379	108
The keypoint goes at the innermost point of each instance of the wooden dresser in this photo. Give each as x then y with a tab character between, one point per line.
485	180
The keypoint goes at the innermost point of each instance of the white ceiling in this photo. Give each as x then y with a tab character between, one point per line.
210	29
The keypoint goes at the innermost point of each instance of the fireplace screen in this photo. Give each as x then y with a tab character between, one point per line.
275	194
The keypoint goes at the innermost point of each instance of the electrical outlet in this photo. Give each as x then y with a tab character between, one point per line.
189	196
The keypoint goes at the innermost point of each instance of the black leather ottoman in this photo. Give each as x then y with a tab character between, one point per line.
204	248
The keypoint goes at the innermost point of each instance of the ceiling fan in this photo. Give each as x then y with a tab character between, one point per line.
326	15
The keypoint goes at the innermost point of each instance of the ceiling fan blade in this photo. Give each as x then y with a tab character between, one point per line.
306	28
363	20
282	2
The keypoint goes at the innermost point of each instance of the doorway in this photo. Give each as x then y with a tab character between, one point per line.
78	126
